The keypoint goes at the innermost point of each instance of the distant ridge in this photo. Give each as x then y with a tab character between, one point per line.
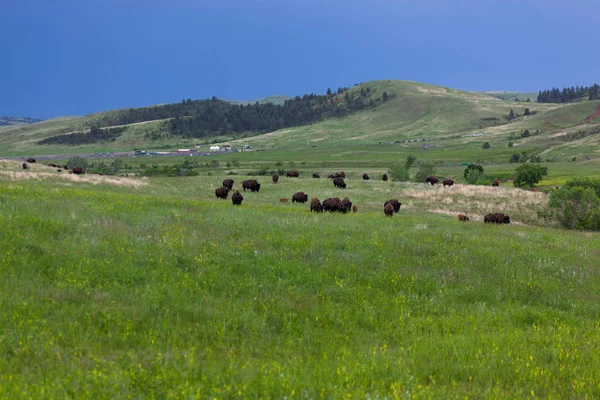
15	121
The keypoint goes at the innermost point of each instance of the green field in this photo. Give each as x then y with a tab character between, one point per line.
152	288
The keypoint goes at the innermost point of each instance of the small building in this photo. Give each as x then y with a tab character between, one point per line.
215	148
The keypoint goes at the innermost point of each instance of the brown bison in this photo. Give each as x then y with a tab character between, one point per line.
316	176
228	183
236	198
65	166
463	218
433	180
283	200
299	197
384	177
339	182
333	204
388	210
222	193
395	203
25	166
346	205
31	160
293	174
53	165
365	177
275	178
59	170
496	182
330	176
354	208
251	184
496	218
78	170
315	205
448	182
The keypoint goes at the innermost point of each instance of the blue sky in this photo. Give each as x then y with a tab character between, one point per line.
73	57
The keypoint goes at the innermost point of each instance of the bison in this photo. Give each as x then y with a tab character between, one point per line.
448	182
25	166
59	170
496	182
78	170
251	184
496	218
384	177
463	218
65	166
283	200
388	210
365	177
433	180
316	176
333	204
275	178
395	203
346	205
354	208
52	165
293	174
339	182
228	183
299	197
315	205
31	160
236	198
330	176
222	193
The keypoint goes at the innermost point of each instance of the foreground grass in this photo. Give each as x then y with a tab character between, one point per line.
105	293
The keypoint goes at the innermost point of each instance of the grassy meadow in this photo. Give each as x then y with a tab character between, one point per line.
116	287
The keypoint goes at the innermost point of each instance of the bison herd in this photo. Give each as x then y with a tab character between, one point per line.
59	168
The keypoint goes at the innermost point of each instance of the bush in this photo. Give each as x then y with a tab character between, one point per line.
529	175
587	183
77	162
475	176
510	144
235	163
471	167
398	173
574	208
486	145
410	161
426	169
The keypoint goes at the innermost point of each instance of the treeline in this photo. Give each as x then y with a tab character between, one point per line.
95	135
574	93
222	118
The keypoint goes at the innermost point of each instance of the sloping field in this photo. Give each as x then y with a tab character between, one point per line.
161	291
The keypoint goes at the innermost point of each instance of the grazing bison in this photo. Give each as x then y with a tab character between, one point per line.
222	193
433	180
236	198
251	184
333	204
330	176
384	177
275	178
346	205
53	165
388	210
463	218
59	170
496	182
365	177
31	160
496	218
228	183
293	174
395	203
78	170
315	205
25	166
299	197
354	208
65	166
283	200
339	182
316	176
448	182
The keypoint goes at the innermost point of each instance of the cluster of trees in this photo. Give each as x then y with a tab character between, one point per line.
574	93
524	157
576	205
95	135
176	170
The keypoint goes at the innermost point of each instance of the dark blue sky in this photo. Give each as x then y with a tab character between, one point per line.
73	57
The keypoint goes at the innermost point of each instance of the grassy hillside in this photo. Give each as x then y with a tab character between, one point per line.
511	96
115	287
270	99
9	122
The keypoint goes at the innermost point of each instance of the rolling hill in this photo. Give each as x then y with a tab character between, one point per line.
415	116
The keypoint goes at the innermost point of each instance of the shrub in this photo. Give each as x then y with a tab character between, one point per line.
574	207
410	161
235	163
471	167
510	144
77	162
529	175
587	183
398	173
475	176
486	145
426	169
